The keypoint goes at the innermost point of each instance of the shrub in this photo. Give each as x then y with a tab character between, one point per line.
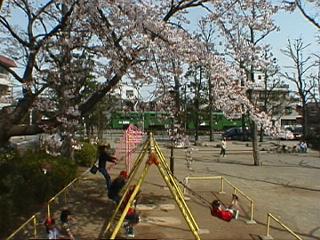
86	155
24	184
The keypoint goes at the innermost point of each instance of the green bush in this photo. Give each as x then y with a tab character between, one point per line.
24	185
86	155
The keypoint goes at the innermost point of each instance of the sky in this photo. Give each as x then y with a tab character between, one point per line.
292	26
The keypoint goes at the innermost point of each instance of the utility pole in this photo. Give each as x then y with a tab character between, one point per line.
185	108
172	146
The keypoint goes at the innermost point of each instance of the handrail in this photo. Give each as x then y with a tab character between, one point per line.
48	207
34	218
235	191
63	190
281	224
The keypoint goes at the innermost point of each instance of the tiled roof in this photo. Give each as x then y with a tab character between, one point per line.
7	61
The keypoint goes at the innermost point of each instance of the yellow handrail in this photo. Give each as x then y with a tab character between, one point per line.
63	190
34	219
281	224
235	191
48	207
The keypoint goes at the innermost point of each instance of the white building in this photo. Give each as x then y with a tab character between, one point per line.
126	92
6	86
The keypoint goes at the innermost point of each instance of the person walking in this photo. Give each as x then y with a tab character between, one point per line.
104	157
223	147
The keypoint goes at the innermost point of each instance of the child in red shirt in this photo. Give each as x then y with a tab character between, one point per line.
225	214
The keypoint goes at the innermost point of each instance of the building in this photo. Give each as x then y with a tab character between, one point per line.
6	86
128	96
276	99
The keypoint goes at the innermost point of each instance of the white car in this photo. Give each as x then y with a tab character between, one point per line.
286	135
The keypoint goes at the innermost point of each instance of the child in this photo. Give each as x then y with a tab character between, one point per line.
65	224
51	229
132	218
116	186
228	213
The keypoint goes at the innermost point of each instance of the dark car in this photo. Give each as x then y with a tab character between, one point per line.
297	132
236	133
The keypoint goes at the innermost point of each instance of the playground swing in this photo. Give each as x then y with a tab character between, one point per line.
217	208
155	158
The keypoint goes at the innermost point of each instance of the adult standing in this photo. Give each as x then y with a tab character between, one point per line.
223	147
104	157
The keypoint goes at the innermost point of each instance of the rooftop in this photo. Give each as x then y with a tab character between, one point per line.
7	61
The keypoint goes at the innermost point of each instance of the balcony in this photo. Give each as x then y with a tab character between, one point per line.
4	79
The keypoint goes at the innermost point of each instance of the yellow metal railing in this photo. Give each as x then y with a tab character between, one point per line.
51	201
269	217
63	191
223	180
33	219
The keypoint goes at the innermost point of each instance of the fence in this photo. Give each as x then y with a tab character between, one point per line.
268	236
223	180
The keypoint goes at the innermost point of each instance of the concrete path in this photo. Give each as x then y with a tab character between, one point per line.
286	185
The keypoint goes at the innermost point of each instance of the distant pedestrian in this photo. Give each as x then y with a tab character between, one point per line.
104	157
223	147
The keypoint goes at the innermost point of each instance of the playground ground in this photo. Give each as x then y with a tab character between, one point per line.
286	185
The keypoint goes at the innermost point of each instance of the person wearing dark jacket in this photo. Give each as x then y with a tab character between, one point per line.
116	186
104	157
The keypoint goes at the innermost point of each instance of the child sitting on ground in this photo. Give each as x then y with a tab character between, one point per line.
228	213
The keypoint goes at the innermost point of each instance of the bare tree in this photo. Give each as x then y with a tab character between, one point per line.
309	9
299	76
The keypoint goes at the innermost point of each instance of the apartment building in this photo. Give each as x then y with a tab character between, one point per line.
6	86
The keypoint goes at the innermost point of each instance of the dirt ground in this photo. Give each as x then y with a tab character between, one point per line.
285	185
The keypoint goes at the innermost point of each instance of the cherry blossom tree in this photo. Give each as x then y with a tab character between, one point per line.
27	45
127	39
244	25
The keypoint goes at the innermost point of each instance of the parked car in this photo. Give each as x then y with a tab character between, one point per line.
285	135
236	133
297	132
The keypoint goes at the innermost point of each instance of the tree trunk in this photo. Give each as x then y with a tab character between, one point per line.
211	137
66	148
261	134
255	149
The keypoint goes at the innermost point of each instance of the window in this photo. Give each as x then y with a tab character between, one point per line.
129	93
